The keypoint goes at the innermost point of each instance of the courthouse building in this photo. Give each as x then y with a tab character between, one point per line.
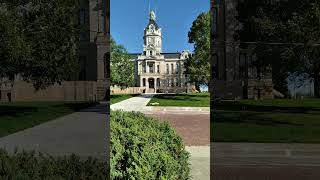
234	72
157	71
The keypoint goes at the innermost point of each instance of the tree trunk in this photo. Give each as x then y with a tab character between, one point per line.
197	86
317	84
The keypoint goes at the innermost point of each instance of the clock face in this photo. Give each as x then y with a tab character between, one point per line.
151	28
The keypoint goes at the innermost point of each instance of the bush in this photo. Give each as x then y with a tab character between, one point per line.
144	148
26	165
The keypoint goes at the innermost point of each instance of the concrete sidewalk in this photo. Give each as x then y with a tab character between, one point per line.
265	161
83	133
138	103
199	162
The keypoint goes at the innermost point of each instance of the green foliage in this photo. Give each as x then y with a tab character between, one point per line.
48	32
143	148
27	165
13	49
122	69
198	66
294	23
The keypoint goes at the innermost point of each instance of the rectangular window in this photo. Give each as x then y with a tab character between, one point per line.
143	82
158	68
242	66
151	70
177	68
215	68
171	68
83	63
144	70
82	16
214	20
167	68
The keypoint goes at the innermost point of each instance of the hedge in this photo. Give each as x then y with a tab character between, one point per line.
28	165
145	148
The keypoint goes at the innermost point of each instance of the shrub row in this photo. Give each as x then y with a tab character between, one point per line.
144	148
28	165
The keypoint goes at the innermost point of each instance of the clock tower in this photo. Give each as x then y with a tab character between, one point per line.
152	38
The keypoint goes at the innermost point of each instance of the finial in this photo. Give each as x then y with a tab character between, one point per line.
152	15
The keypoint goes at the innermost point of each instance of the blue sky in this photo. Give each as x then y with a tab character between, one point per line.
175	17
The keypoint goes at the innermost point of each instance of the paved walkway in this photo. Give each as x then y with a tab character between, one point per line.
265	161
83	133
138	103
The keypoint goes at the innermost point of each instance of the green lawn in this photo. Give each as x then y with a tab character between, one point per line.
281	120
115	98
182	100
17	116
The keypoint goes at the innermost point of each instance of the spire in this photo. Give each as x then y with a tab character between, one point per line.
152	15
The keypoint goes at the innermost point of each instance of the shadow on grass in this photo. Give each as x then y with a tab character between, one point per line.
238	106
249	118
16	111
179	97
114	96
76	106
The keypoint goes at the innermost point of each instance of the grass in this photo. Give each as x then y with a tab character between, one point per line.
182	100
17	116
277	121
115	98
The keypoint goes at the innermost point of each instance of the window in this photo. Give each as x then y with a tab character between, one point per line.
167	68
144	82
144	52
242	66
107	65
171	68
215	68
151	53
82	73
214	20
84	16
144	70
177	83
172	82
158	68
158	82
177	68
151	70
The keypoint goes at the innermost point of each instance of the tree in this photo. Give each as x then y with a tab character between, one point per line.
295	26
49	31
198	65
122	69
13	48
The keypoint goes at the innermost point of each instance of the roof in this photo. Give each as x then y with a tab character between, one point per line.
166	55
171	55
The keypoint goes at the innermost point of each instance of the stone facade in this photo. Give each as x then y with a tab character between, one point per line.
234	74
91	81
155	71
